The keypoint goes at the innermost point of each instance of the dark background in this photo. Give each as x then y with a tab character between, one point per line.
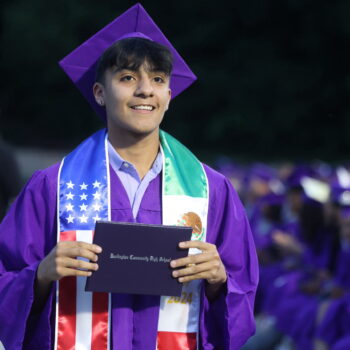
274	77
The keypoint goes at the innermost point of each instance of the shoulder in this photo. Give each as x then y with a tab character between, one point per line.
214	176
33	212
223	198
45	178
218	183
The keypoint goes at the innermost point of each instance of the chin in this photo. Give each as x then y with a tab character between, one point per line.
145	128
140	131
136	129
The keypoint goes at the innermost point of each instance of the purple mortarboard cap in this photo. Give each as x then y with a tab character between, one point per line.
323	170
228	168
262	172
80	65
300	172
266	173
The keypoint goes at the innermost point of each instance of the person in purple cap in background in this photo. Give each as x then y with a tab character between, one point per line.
233	171
131	172
333	327
291	286
260	181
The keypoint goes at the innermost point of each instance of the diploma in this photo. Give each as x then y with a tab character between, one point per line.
136	258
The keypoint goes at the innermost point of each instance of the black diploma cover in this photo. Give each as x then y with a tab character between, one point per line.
136	258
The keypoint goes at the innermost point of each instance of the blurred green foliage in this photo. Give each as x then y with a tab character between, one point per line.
274	77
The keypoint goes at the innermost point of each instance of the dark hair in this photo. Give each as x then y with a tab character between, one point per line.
131	53
312	222
273	212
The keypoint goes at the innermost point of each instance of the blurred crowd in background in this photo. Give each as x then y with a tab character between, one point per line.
300	220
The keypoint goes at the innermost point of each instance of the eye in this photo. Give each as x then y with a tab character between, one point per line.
159	79
127	77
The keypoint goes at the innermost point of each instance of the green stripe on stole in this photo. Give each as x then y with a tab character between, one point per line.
185	202
183	173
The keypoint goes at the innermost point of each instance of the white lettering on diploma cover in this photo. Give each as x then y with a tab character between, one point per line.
151	258
119	257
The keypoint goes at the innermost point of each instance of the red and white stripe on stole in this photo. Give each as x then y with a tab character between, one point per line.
176	341
82	318
179	318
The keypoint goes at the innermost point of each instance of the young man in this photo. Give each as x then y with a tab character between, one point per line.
132	173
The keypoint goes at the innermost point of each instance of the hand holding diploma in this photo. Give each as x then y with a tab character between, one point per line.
205	265
63	261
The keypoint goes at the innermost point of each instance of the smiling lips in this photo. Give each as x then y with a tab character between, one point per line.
143	107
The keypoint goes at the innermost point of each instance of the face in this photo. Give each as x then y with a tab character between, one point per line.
259	187
135	101
295	202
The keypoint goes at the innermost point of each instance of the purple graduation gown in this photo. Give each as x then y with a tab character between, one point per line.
343	344
28	233
335	324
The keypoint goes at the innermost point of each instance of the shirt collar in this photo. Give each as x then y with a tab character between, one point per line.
118	163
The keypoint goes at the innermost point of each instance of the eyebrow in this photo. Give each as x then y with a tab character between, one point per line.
117	70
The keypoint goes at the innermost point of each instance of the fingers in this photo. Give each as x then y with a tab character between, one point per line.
76	264
66	272
212	273
73	267
78	249
195	259
204	246
200	270
64	261
89	246
65	266
206	265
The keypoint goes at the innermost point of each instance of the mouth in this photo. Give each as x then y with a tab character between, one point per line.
143	108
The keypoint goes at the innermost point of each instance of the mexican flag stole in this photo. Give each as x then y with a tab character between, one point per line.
83	318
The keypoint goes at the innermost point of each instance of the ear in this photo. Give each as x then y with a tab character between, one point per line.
98	92
167	105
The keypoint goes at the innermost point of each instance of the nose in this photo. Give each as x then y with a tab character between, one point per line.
144	88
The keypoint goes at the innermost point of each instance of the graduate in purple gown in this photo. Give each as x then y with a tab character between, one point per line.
266	219
291	297
260	181
335	323
142	175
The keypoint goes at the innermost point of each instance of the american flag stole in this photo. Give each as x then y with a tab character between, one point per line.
82	318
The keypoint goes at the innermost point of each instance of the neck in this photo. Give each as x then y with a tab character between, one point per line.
141	151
